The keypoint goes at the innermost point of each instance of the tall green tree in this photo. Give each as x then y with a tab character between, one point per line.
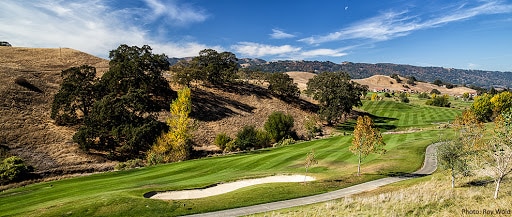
336	94
216	68
367	139
123	120
279	126
281	85
176	144
76	96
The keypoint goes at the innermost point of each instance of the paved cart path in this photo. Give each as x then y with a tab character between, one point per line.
429	166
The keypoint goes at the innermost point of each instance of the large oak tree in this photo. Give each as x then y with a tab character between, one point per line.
336	93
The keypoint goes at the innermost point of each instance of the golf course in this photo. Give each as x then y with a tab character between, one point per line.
122	193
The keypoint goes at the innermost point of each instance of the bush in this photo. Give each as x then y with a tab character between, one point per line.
14	169
397	79
440	101
130	164
279	126
221	140
435	91
387	95
246	139
423	96
312	127
264	139
285	142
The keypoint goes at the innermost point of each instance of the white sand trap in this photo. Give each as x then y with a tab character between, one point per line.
227	187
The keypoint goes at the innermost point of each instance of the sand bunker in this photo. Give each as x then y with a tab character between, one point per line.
227	187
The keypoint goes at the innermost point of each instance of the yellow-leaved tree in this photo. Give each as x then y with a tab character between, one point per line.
367	139
175	145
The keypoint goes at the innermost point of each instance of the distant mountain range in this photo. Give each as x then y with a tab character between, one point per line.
363	70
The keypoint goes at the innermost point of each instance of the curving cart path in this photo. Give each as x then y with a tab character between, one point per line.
429	166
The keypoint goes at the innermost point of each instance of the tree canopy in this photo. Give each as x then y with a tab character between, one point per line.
76	95
122	121
210	66
281	84
336	94
367	139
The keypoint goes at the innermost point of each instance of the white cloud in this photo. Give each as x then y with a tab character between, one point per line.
390	25
259	50
177	14
323	52
279	34
89	26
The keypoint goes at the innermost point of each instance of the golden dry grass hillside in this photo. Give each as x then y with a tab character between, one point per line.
28	131
380	82
229	109
25	125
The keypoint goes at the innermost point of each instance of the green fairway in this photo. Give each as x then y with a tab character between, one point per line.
121	193
391	115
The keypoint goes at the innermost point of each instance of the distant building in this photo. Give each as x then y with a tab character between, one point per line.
4	43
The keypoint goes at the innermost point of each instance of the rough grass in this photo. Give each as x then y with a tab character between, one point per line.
427	196
121	193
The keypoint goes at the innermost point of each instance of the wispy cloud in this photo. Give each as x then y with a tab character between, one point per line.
279	34
92	26
392	24
178	14
323	52
259	50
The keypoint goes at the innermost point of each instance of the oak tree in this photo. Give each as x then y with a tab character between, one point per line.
336	94
122	121
76	96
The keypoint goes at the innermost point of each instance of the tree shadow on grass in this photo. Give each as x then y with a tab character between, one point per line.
380	122
207	106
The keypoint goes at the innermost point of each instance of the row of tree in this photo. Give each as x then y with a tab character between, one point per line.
469	151
488	106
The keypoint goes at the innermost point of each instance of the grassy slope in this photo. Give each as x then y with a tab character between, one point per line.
426	196
120	193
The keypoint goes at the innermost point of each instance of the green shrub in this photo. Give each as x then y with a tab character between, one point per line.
285	142
423	96
247	138
14	169
221	140
279	126
440	101
403	98
130	164
231	146
387	95
264	139
435	91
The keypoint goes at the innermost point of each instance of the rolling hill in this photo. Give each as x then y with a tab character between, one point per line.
363	70
28	131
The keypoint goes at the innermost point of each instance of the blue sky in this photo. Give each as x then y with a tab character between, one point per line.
469	34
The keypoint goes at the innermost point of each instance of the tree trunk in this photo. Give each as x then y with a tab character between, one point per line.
498	182
359	164
453	178
306	175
